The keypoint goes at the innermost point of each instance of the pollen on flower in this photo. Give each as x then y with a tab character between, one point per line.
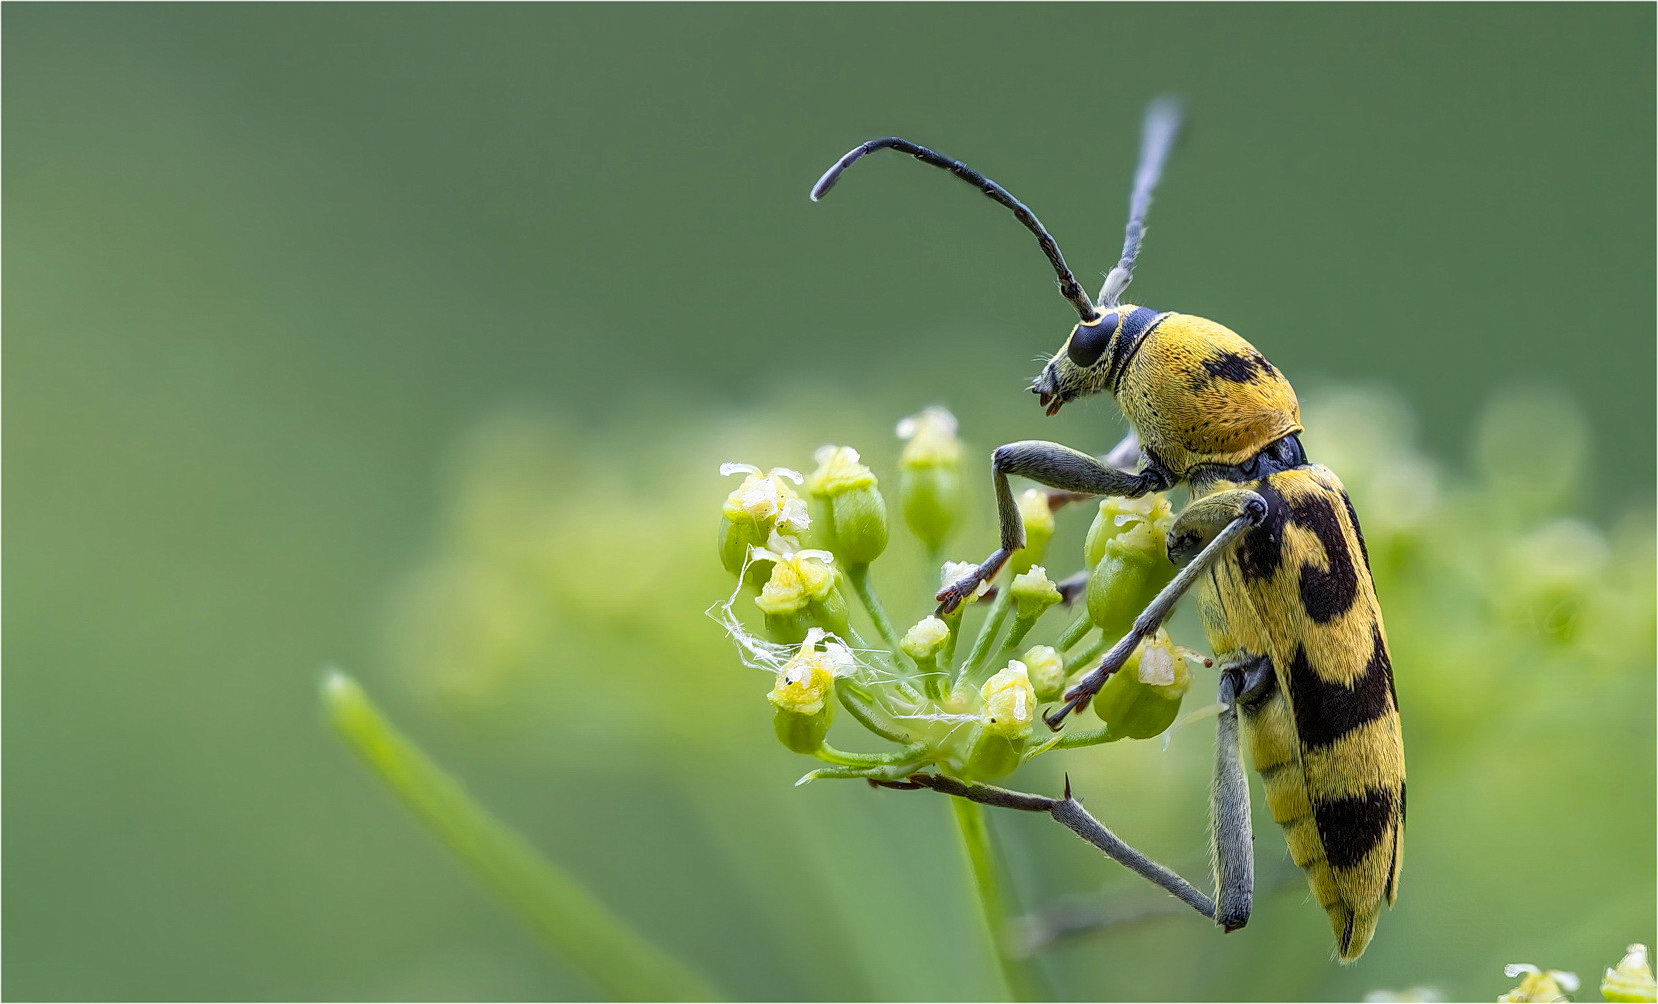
1157	665
804	682
1009	701
796	579
766	499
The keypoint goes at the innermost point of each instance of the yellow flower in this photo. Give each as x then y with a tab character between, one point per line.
839	470
1631	979
805	681
852	515
766	500
1009	702
1537	984
797	578
926	639
1046	670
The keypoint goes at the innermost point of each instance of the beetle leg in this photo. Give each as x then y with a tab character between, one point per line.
1055	466
1234	840
1242	510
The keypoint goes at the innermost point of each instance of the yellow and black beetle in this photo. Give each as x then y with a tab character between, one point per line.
1270	544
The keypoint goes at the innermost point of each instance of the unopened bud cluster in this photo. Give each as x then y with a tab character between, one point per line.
964	693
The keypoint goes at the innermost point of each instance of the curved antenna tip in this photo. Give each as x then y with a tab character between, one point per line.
1067	282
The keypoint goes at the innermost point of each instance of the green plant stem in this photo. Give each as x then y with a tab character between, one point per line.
1024	981
1077	631
952	620
895	772
985	643
1089	654
614	957
909	754
858	575
1085	737
869	717
1021	628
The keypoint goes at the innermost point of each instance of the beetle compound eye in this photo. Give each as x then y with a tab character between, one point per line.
1088	341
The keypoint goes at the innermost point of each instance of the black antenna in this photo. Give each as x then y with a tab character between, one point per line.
1157	136
1068	286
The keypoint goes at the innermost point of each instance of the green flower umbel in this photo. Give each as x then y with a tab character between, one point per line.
933	698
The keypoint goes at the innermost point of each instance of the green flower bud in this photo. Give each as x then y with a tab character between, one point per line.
1005	723
765	503
927	642
1537	984
929	479
1146	520
1038	518
1046	670
1125	549
847	501
1631	979
1032	593
802	693
1142	699
1121	585
926	639
1009	702
802	592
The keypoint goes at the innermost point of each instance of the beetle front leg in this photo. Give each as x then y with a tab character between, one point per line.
1055	466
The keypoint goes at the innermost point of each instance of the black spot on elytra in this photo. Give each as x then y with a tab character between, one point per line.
1261	550
1326	711
1238	367
1325	593
1350	828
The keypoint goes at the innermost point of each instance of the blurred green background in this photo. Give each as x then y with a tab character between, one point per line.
318	315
